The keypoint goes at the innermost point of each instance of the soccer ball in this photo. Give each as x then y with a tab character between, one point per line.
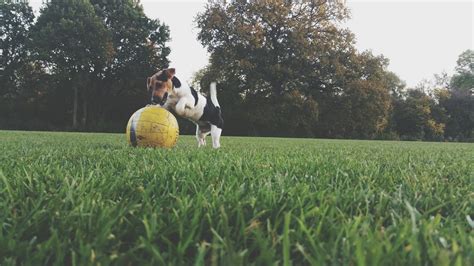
152	126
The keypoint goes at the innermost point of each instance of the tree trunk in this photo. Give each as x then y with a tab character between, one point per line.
74	110
84	113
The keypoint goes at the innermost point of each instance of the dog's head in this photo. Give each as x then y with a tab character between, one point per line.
161	84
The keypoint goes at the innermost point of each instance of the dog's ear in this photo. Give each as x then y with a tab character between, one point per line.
170	72
176	82
148	83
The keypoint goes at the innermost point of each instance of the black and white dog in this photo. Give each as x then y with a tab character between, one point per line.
166	90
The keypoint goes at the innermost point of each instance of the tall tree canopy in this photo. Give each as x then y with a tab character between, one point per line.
99	52
415	117
460	102
263	51
463	80
15	22
140	49
66	42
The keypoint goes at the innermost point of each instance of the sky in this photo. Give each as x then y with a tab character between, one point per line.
421	38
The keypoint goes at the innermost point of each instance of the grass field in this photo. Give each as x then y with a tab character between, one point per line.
81	199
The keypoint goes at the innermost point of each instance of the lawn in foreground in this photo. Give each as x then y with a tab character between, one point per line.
72	198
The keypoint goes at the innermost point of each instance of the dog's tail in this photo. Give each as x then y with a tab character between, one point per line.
214	94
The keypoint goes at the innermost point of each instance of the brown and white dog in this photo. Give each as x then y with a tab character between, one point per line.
166	90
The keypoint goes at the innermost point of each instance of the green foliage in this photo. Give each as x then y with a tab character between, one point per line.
435	112
292	114
463	80
23	83
139	49
414	118
81	199
361	107
86	59
265	41
263	51
460	125
65	42
65	37
138	45
459	102
15	22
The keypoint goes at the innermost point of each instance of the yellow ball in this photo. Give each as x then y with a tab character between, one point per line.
152	126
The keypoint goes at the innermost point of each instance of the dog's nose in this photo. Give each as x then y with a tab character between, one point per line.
163	100
155	100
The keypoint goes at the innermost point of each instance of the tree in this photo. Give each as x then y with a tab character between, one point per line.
266	52
360	104
262	42
16	20
459	102
66	43
292	114
415	119
139	49
255	55
18	96
397	89
460	109
463	80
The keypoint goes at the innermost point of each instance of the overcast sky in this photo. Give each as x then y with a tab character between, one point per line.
420	38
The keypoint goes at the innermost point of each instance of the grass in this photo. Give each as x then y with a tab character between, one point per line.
81	199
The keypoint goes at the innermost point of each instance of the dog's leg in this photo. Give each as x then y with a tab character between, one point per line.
200	136
216	136
184	104
180	107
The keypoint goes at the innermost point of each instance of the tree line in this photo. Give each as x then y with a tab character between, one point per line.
288	68
284	68
81	65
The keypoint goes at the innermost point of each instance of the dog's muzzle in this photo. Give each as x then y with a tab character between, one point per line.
157	100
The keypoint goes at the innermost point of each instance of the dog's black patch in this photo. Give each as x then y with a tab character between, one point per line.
212	114
204	126
195	95
162	77
176	82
